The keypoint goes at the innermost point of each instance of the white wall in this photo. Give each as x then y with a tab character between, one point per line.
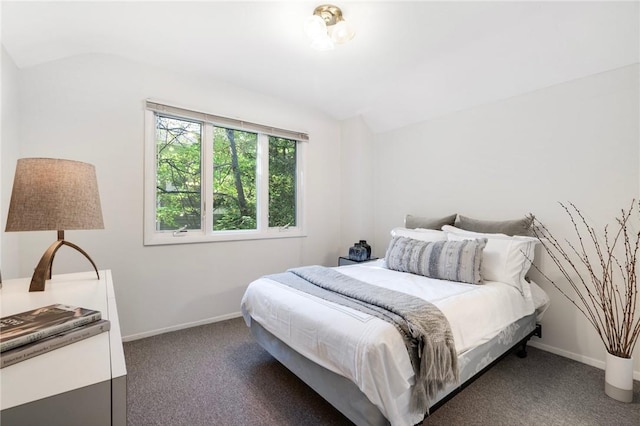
356	163
10	143
577	141
90	108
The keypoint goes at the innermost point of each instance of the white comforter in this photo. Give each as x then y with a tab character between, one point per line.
368	350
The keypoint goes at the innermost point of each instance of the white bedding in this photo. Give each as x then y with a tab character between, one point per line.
368	350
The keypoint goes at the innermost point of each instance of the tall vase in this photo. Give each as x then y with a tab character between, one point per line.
367	247
618	378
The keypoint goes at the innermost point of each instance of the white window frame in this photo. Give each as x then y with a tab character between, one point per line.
206	233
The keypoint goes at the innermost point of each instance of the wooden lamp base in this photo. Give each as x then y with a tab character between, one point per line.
43	270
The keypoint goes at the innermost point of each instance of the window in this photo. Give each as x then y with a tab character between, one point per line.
210	178
178	197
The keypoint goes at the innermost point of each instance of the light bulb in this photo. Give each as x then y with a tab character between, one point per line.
322	43
342	32
315	27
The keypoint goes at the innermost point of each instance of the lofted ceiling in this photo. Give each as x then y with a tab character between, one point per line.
409	61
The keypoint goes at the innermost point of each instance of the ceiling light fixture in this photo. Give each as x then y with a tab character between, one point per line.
327	26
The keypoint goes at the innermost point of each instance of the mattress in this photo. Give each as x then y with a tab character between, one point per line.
368	351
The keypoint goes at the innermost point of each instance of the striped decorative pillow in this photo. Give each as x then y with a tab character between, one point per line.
446	260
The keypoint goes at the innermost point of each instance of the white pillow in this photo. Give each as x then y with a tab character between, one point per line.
421	234
505	259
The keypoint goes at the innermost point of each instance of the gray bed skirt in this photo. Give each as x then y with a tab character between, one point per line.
345	396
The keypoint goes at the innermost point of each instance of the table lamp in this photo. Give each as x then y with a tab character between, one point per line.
54	194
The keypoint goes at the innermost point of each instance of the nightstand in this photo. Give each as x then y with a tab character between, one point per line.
342	260
84	383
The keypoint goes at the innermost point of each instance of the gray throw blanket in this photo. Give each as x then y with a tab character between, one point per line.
424	329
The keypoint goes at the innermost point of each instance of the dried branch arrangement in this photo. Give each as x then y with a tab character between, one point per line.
601	270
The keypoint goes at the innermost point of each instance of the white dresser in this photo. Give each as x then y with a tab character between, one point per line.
80	384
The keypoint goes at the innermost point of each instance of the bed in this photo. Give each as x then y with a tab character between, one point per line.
360	363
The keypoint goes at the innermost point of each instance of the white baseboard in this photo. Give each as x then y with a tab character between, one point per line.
181	327
576	357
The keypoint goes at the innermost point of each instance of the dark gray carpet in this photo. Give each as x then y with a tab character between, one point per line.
217	375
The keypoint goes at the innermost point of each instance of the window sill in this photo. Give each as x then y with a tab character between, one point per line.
195	237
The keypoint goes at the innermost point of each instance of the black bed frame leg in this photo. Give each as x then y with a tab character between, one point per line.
522	352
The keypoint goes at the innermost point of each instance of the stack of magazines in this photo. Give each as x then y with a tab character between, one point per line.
35	332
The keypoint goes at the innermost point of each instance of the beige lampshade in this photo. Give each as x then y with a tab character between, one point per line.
53	194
